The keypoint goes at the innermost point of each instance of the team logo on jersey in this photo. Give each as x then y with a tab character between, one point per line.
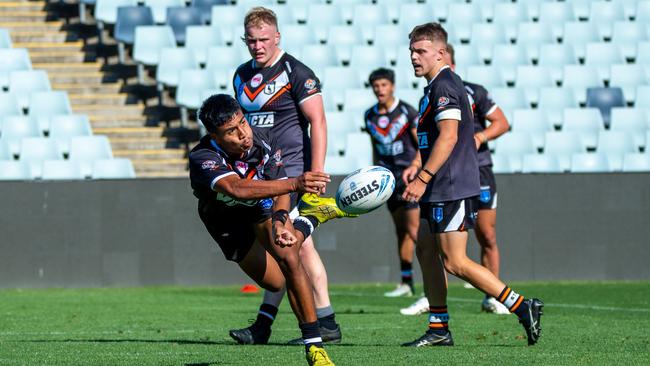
257	80
383	122
437	214
269	88
241	166
443	101
278	157
209	165
310	84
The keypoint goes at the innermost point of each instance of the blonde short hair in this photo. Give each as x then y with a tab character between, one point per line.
260	15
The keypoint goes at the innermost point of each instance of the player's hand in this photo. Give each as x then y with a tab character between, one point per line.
312	182
283	236
325	186
477	141
414	191
409	174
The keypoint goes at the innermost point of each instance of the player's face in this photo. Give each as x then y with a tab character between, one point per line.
262	41
383	90
426	56
234	136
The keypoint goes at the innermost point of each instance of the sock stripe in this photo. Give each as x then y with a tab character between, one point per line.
516	305
313	340
504	294
266	314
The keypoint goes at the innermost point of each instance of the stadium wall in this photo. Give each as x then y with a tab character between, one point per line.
147	232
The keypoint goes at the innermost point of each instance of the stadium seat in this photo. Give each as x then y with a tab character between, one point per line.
488	76
179	18
604	99
15	170
247	4
410	96
128	19
627	34
411	15
320	17
364	56
579	78
22	83
531	78
113	169
507	57
463	14
603	55
227	15
296	36
642	96
556	55
540	163
585	122
642	13
339	78
563	145
509	15
64	127
501	164
106	11
615	144
467	55
632	121
149	40
13	59
5	39
61	170
199	38
605	13
590	163
344	35
509	98
223	58
578	34
172	61
206	8
556	13
390	35
9	105
484	35
43	105
533	122
629	7
14	129
35	150
86	149
628	77
636	163
515	145
319	56
358	100
358	146
159	8
341	123
190	87
533	34
553	101
5	154
366	16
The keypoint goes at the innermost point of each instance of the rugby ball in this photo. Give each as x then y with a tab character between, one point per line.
365	189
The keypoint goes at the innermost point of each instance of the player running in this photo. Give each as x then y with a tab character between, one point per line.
484	110
237	173
446	183
279	93
392	125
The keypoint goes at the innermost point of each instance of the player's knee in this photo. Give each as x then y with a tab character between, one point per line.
489	238
289	262
455	267
273	286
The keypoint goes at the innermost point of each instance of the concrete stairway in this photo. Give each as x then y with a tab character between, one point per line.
94	89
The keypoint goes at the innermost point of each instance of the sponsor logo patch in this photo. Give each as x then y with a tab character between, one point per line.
209	165
256	80
383	121
263	119
278	157
269	88
423	140
310	84
443	101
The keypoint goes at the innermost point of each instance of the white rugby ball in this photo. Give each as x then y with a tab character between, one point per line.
365	189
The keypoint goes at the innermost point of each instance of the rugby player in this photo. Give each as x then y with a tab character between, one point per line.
279	93
446	183
237	173
392	125
484	110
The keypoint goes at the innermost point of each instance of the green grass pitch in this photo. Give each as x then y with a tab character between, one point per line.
585	323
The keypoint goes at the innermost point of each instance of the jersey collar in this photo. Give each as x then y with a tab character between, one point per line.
438	73
392	107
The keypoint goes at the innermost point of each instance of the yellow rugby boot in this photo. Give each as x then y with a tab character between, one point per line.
322	208
317	356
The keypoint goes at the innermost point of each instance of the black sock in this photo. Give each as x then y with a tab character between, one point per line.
407	272
266	315
311	335
328	321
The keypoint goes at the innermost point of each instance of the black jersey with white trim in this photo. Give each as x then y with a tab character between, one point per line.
270	98
209	163
445	97
391	136
482	106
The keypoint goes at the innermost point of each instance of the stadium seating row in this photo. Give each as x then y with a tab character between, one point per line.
577	163
66	170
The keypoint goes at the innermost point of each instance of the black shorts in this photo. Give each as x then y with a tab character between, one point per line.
395	201
232	226
444	217
488	198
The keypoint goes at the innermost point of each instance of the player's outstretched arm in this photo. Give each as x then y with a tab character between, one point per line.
247	189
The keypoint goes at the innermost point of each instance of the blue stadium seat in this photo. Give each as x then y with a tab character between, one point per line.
563	145
604	99
66	126
585	122
629	7
509	98
632	121
23	83
43	105
61	170
344	35
590	163
5	39
179	18
128	19
199	38
15	170
614	145
578	34
35	150
13	59
636	163
501	164
627	34
358	146
247	4
553	101
113	169
172	61
628	77
532	122
5	154
206	8
358	100
9	105
14	129
337	79
86	149
159	8
149	40
515	145
106	10
541	163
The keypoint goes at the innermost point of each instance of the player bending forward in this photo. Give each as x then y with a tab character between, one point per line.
234	170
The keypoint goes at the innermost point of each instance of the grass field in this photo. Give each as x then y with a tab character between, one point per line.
584	324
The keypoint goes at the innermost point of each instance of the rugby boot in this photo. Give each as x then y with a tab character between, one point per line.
419	307
431	339
316	356
251	335
531	321
330	336
491	305
322	208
